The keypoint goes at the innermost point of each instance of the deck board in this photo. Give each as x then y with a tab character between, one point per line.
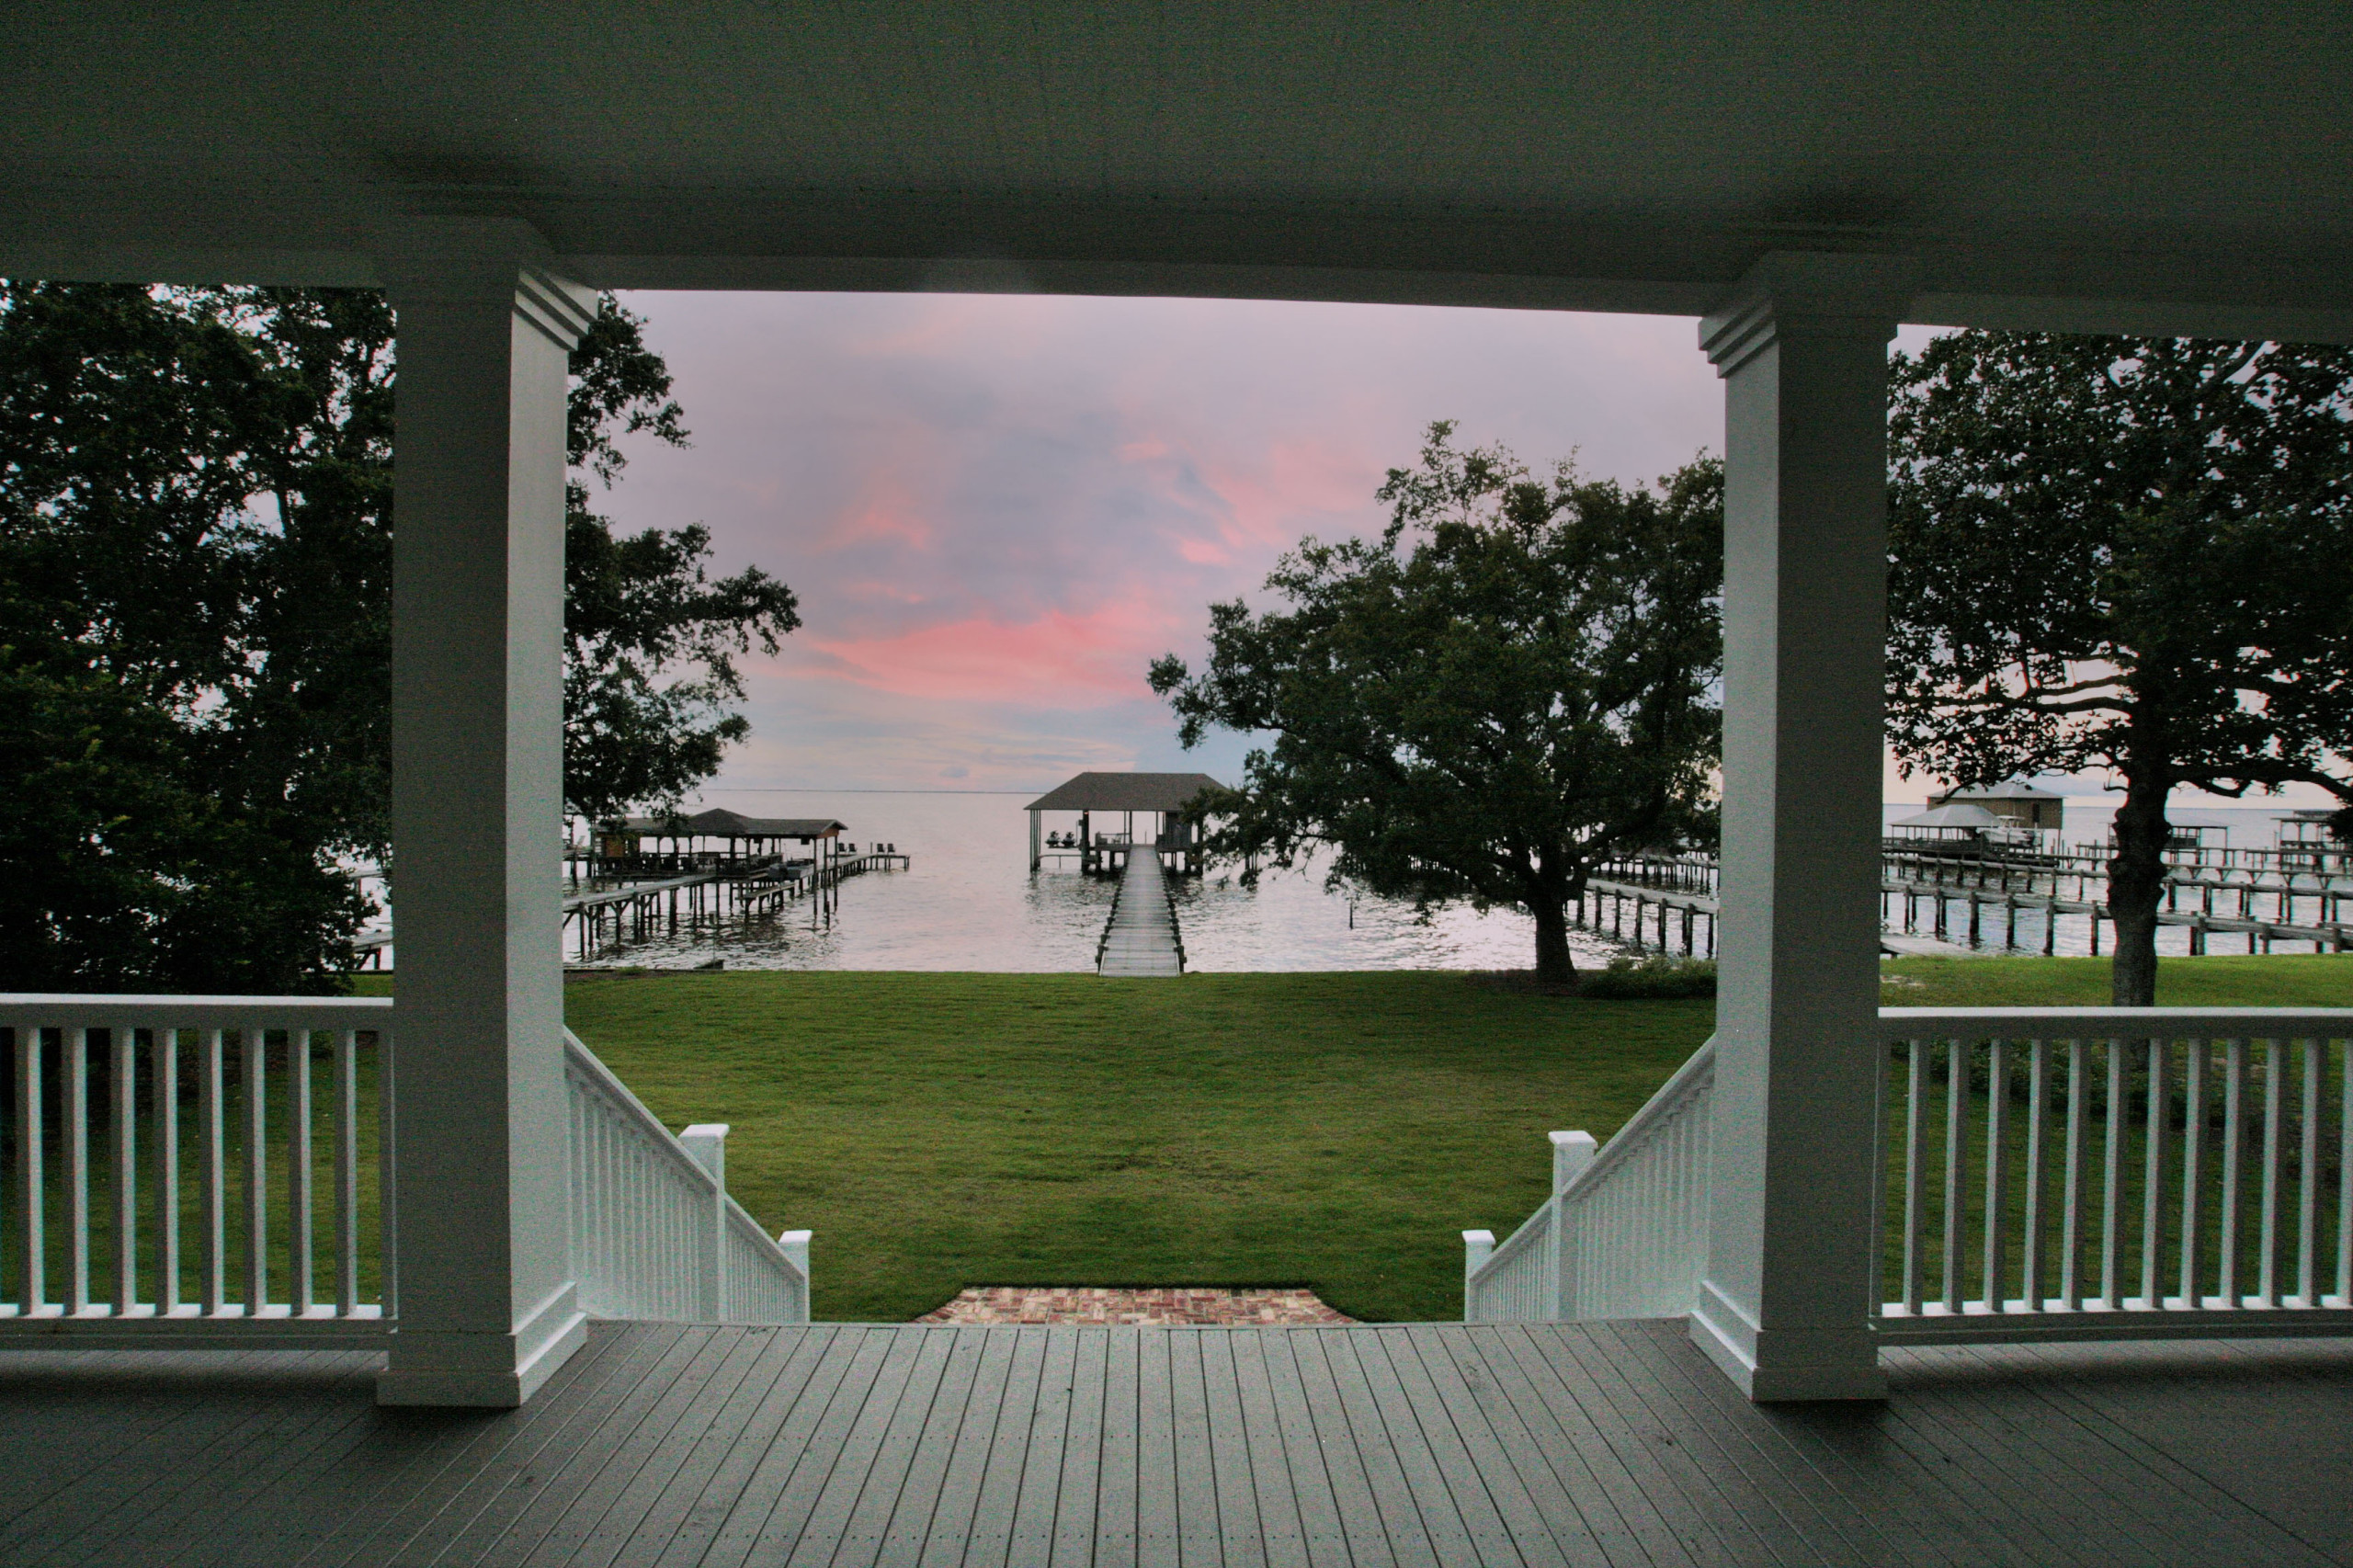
852	1446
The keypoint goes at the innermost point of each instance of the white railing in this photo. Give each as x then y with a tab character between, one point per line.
237	1148
216	1171
1624	1234
2108	1172
655	1233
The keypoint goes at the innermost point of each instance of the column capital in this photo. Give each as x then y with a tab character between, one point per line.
481	260
1817	292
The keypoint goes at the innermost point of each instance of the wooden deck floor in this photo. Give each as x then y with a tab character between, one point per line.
855	1445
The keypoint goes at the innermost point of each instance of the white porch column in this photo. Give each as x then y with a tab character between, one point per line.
486	1302
1803	348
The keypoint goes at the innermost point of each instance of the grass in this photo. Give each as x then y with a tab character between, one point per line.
1336	1130
939	1130
2286	980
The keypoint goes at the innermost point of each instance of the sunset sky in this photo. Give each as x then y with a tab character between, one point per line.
998	509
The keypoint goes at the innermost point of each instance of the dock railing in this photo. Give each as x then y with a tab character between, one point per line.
2083	1173
216	1172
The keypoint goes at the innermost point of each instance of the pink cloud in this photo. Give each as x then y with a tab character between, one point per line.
1059	657
886	510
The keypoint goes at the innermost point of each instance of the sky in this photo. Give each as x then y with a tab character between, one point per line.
997	510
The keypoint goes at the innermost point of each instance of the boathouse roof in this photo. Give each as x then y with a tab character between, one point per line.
718	823
1126	792
1958	814
2008	789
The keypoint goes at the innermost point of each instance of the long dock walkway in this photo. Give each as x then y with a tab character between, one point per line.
1141	939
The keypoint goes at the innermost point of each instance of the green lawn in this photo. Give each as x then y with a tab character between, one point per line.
939	1131
1336	1130
2284	980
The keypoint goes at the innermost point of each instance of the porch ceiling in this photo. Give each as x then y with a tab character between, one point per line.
2170	165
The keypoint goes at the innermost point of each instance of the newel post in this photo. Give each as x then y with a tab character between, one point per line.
707	1142
488	1308
1572	1153
1477	1248
1784	1296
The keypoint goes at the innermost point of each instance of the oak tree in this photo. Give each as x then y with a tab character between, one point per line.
2123	555
1512	682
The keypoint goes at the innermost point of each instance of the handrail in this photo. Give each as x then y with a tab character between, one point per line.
578	1058
2115	1173
1666	1102
2092	1023
669	1242
190	1089
1572	1257
176	1113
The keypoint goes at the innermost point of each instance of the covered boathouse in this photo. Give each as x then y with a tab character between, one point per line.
1171	799
692	839
1797	179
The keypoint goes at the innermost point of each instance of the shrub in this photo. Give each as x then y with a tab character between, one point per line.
1651	980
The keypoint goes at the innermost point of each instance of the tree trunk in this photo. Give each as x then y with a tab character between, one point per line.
2136	885
1553	962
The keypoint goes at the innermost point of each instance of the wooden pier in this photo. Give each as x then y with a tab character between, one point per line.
741	889
1960	904
755	889
1139	939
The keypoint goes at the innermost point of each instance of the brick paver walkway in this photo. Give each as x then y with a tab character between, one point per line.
1093	1304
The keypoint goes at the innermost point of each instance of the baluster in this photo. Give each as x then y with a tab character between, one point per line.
2111	1210
2308	1181
2031	1284
2153	1177
388	1106
165	1074
33	1244
298	1169
124	1067
346	1172
1956	1104
1997	1098
253	1062
2071	1202
2233	1145
2345	1182
1914	1178
2193	1172
210	1163
78	1169
2268	1267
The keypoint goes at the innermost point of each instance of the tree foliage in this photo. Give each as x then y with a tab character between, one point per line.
651	638
1512	682
196	495
2125	555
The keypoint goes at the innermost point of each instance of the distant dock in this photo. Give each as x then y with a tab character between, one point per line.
1951	905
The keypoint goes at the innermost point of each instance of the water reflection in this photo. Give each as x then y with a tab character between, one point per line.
970	903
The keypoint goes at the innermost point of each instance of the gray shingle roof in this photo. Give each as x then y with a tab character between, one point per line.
1125	792
718	823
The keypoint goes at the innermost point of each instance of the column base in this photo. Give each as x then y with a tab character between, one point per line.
1772	1365
484	1372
